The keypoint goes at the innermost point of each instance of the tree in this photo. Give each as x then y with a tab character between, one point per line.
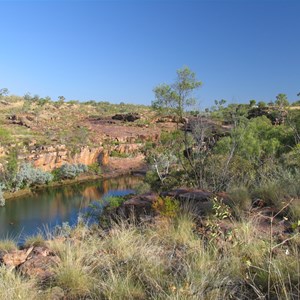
4	92
252	103
261	104
61	99
281	100
179	94
27	96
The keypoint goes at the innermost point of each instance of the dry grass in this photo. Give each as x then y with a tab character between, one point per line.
8	245
13	287
169	259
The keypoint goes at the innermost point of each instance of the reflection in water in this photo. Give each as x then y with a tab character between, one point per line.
50	207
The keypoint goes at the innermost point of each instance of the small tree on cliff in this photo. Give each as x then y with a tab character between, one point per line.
281	100
179	94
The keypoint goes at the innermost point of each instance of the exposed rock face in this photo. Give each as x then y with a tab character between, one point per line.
34	262
128	148
48	157
22	120
139	205
15	258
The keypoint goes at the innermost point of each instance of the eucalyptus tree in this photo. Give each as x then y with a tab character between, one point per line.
179	94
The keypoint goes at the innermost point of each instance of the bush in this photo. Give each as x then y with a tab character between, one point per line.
68	171
240	197
29	176
95	168
143	188
114	201
167	206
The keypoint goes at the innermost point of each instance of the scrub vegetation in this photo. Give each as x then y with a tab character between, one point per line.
247	247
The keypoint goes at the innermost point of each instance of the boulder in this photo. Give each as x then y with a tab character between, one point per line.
16	257
131	117
138	205
34	262
40	266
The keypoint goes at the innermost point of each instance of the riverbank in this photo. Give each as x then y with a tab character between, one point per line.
117	167
186	256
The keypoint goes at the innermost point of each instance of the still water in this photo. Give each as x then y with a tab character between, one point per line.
26	216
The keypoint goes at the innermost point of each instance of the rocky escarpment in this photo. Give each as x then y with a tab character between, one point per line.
51	157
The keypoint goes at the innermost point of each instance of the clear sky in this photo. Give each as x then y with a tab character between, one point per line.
120	50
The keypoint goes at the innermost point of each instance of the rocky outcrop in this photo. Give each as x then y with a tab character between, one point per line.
34	262
49	157
40	264
138	205
131	117
22	120
15	258
200	200
127	148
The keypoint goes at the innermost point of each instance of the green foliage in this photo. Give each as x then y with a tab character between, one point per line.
166	206
143	188
95	168
240	197
29	176
252	103
261	104
221	210
256	145
114	201
179	94
68	171
4	92
281	100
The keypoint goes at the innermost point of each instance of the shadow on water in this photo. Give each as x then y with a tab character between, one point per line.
50	207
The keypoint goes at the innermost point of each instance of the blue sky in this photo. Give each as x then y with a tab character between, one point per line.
120	50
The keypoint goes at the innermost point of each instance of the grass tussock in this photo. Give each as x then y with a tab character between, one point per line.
35	241
169	259
13	286
8	245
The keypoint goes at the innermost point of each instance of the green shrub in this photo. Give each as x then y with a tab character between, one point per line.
95	168
271	193
28	176
68	171
142	188
294	210
114	201
240	197
167	206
